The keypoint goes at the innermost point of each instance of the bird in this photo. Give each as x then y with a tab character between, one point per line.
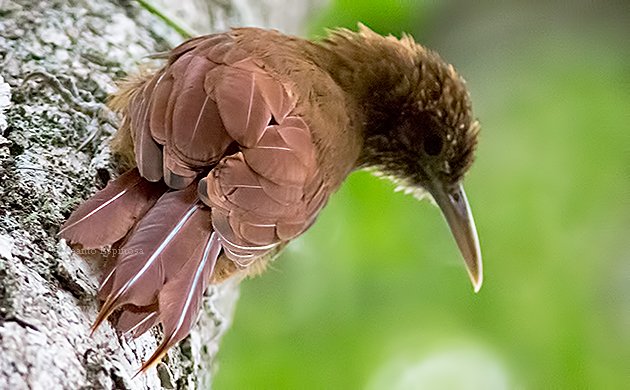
232	148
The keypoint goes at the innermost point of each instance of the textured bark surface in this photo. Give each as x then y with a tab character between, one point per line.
58	61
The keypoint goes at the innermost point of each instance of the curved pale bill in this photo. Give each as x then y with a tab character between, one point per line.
456	211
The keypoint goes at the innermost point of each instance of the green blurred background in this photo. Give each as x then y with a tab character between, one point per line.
375	295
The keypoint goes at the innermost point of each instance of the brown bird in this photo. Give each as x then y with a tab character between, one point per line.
236	144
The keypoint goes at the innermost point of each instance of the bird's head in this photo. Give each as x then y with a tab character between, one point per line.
428	149
419	130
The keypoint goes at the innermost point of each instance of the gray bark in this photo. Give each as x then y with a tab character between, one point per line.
74	51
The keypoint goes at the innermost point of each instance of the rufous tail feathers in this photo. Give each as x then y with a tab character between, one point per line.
163	255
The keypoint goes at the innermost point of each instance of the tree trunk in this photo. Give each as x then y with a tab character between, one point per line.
58	62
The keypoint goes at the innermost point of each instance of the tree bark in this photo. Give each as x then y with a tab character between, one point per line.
58	62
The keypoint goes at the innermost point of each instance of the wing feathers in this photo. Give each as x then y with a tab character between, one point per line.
148	153
241	106
269	192
275	96
161	96
198	136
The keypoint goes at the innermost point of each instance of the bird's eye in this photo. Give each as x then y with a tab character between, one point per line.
433	145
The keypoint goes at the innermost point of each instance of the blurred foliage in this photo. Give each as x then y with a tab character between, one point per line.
383	16
375	295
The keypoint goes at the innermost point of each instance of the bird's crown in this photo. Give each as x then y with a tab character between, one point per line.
418	118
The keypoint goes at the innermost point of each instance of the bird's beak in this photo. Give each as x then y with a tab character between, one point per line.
456	211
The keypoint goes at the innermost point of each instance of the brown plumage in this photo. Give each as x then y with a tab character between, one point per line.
237	143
